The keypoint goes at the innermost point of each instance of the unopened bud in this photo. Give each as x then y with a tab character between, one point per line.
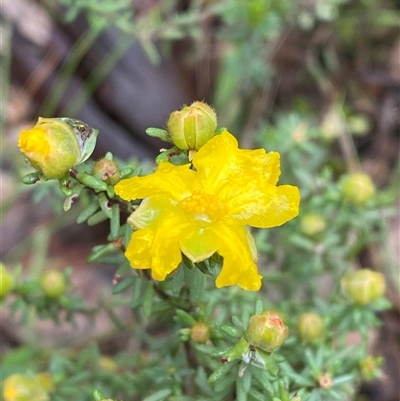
200	333
191	127
55	145
107	171
266	331
325	381
358	188
312	224
310	327
363	286
53	283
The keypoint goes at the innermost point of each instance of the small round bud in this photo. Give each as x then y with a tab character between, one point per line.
24	388
310	327
358	188
107	171
266	331
200	333
191	127
7	281
333	124
54	145
312	224
363	286
53	283
325	381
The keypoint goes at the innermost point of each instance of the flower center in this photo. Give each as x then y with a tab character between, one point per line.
34	141
203	209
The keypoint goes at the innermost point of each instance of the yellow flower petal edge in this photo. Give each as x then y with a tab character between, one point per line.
208	209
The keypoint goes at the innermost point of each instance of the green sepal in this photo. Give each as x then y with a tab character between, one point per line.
32	178
86	136
158	133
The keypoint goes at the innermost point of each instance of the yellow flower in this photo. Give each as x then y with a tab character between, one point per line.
207	209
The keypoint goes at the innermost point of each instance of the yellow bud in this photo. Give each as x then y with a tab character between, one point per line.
358	188
54	145
363	286
312	224
7	281
53	283
191	127
200	333
310	327
266	331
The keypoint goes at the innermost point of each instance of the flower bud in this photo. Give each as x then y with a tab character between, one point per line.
54	145
7	281
370	367
107	171
19	387
310	327
363	286
53	283
191	127
312	224
325	381
358	188
200	333
266	331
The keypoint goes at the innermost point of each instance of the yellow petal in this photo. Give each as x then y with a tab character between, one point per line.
148	211
197	245
138	251
157	246
238	267
170	181
271	208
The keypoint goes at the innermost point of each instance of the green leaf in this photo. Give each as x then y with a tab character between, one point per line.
148	297
159	395
222	371
114	222
123	285
158	133
196	283
184	317
98	395
87	212
97	218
